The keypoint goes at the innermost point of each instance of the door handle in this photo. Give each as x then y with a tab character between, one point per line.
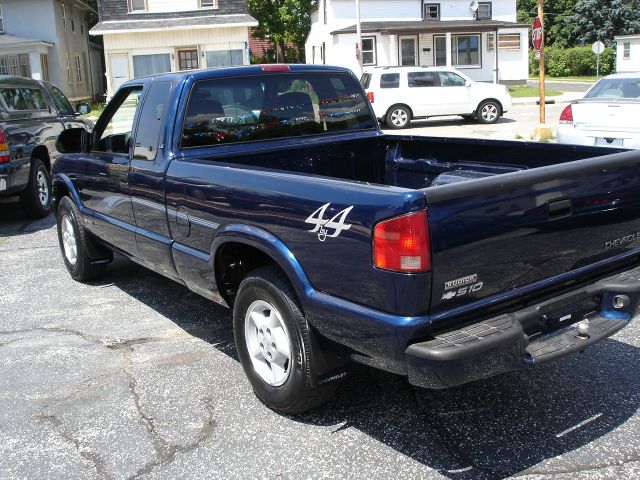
559	208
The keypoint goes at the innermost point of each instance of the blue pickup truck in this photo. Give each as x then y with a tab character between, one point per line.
271	189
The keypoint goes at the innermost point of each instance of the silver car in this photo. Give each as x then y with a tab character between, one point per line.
607	115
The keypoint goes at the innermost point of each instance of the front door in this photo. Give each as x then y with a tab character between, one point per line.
409	50
119	71
105	191
188	59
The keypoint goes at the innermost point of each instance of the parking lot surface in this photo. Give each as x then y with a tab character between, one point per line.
134	376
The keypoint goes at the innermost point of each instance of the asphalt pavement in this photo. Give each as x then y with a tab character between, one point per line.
134	376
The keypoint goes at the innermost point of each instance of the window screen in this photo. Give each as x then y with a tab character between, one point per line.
151	64
272	106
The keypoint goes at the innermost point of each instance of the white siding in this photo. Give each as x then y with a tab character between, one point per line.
632	64
170	41
374	10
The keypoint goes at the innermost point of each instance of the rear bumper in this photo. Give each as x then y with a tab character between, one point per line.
569	134
500	344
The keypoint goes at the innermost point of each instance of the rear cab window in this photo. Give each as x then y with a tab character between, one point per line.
251	108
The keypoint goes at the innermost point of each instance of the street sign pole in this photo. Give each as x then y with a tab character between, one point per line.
541	76
597	48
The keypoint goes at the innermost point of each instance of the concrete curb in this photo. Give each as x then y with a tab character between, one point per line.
564	98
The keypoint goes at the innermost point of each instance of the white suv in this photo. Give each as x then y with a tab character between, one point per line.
400	94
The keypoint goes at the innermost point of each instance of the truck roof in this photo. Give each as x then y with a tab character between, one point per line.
15	80
222	72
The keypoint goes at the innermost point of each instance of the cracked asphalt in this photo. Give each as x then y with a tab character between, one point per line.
133	376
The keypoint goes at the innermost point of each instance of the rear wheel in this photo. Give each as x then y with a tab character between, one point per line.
489	111
274	343
78	250
398	116
36	197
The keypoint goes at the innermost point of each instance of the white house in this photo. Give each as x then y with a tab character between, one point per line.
627	53
456	33
143	37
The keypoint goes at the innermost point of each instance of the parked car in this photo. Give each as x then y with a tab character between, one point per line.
272	190
401	94
607	115
32	114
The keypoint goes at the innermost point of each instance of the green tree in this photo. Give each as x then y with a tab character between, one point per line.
282	22
557	24
603	19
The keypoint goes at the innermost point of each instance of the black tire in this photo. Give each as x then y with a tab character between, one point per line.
268	288
398	116
488	112
88	260
468	118
35	199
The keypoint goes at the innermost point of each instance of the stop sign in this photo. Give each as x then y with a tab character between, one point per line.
536	34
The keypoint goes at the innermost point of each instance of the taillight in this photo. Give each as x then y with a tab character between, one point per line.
567	115
401	244
5	155
370	96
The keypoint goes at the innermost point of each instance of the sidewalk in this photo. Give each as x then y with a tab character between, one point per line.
566	97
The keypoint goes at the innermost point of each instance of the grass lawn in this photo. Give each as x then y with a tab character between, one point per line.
96	110
591	78
521	91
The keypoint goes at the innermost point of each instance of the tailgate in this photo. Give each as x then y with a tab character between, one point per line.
493	235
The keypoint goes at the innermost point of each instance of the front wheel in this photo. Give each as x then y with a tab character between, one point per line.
398	116
489	111
274	343
76	246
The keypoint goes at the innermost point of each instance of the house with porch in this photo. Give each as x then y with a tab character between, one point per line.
144	37
458	33
48	40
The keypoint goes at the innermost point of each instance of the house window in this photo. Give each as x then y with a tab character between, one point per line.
440	51
73	25
465	50
484	11
1	20
221	58
68	67
432	11
44	66
369	51
187	59
137	5
208	3
626	55
506	41
151	64
64	16
17	65
78	65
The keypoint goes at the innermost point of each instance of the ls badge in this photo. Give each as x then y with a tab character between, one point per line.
323	225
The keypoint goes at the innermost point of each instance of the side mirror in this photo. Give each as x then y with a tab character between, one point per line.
467	83
83	108
73	140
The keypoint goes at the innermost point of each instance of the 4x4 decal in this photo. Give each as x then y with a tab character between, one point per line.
323	225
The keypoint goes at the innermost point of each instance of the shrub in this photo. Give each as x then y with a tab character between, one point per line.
570	62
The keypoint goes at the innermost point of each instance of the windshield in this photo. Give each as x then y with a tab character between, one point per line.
616	88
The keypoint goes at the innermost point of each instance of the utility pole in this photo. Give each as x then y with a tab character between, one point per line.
542	131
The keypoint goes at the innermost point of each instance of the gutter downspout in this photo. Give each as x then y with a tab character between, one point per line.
496	47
